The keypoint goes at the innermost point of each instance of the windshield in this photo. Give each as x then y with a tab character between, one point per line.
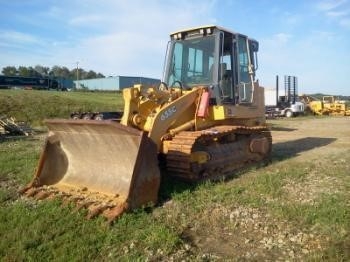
191	62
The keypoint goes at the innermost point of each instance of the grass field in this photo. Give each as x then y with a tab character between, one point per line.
296	208
33	106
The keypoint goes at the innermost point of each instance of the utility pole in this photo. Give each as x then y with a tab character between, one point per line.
77	75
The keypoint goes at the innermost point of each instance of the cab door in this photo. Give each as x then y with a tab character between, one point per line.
245	75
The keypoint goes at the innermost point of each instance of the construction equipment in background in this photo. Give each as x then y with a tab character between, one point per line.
29	83
327	106
287	105
116	116
204	121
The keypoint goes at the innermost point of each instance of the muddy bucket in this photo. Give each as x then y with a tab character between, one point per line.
103	162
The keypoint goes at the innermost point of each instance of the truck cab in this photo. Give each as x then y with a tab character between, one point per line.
288	104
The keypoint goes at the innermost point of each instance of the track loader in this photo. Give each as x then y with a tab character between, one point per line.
204	121
327	106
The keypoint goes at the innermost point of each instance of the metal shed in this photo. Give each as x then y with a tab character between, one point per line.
114	83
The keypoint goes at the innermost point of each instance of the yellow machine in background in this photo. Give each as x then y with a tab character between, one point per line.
335	107
204	121
327	106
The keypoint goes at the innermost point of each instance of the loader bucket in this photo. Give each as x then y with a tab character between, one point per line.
112	167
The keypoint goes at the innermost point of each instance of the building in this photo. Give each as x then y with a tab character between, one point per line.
114	83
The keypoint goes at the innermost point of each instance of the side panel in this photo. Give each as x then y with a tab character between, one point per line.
173	115
242	111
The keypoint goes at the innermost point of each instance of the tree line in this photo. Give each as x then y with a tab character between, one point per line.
56	72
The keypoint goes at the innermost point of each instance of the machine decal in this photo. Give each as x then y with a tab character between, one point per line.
168	113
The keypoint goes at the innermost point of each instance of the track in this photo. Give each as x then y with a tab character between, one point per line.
229	147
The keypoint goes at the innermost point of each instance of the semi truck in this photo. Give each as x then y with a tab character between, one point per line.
285	103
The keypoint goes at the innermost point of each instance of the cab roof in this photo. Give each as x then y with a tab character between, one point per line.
212	27
203	27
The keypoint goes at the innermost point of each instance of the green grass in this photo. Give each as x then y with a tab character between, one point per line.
34	229
33	106
45	230
18	158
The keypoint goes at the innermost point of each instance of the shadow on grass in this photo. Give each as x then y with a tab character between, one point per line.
289	149
280	151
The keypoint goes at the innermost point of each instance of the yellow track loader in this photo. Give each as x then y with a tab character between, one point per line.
327	106
204	121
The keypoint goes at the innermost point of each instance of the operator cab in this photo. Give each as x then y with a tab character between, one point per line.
215	57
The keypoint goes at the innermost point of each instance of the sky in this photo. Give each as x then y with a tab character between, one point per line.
309	39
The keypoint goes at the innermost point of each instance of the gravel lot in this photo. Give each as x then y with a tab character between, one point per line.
254	234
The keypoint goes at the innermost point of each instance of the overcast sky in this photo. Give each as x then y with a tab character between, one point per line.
308	39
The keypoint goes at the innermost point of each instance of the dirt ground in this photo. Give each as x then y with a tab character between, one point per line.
255	234
310	138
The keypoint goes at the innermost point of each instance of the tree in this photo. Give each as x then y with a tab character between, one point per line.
91	74
42	70
64	72
9	71
60	72
33	72
23	71
55	72
81	74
